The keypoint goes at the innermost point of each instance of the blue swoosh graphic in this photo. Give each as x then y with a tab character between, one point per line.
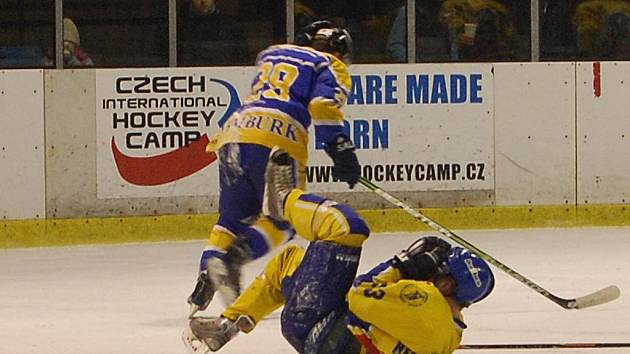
235	102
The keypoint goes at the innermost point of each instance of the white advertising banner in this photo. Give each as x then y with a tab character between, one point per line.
22	183
417	127
152	127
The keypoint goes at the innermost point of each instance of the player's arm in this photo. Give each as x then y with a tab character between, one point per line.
378	291
375	308
379	316
329	96
381	274
420	261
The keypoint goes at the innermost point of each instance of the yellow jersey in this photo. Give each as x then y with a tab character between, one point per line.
401	316
295	87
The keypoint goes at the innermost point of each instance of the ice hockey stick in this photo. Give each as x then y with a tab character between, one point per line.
545	346
599	297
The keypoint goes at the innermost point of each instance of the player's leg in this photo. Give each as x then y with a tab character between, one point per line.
315	295
314	218
241	171
242	180
240	207
260	299
255	236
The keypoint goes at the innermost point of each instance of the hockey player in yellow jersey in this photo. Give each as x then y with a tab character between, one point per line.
297	85
408	304
412	305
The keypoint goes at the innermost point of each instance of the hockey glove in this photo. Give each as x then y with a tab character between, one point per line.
346	165
422	260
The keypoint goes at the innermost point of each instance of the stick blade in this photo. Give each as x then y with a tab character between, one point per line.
602	296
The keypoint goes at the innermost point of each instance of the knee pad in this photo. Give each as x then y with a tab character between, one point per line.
358	226
319	219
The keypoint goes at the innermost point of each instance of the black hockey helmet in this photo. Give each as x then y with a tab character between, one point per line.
325	36
305	36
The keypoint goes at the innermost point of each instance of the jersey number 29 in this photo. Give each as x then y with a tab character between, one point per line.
274	81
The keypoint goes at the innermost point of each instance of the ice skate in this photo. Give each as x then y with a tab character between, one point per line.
280	179
201	295
209	334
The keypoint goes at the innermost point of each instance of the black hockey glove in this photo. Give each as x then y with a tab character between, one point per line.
346	165
422	259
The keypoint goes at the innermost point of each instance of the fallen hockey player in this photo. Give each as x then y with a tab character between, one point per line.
410	303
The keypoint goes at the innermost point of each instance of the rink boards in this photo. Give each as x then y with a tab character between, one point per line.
506	140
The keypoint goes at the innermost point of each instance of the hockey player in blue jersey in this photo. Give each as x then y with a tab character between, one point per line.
296	86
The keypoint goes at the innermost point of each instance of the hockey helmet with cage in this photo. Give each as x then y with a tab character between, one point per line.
325	36
472	274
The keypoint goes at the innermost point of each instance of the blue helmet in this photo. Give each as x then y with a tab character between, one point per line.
473	275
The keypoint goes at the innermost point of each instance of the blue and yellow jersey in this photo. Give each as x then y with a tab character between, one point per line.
389	314
294	88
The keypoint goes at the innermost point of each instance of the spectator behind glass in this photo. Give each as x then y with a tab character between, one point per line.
208	37
304	15
73	54
557	34
367	21
430	41
479	30
339	12
396	40
603	29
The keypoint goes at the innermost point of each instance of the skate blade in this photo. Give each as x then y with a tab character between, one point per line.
193	310
194	344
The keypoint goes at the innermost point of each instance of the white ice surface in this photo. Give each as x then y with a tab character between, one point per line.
132	298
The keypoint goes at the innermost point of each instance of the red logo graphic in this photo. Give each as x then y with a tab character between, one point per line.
165	168
597	79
